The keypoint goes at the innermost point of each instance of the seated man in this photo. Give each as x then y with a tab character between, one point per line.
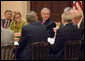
65	10
68	32
8	19
45	14
79	21
31	33
7	36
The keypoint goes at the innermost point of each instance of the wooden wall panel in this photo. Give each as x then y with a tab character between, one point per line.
56	8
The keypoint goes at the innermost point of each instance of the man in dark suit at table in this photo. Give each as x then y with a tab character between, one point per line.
45	14
68	32
7	20
31	33
79	21
65	10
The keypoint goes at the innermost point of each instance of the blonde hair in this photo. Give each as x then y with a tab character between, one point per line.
16	13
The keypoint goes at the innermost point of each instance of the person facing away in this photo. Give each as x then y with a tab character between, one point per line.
17	22
8	19
65	10
31	33
68	33
7	36
78	21
45	14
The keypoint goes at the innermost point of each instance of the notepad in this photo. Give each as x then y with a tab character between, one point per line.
51	40
16	43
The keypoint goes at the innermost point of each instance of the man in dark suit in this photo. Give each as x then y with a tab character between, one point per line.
78	20
68	32
45	14
65	10
7	20
31	33
82	39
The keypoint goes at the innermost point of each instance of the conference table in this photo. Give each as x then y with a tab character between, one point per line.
16	38
18	35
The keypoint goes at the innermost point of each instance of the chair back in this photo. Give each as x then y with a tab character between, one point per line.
72	50
8	52
40	50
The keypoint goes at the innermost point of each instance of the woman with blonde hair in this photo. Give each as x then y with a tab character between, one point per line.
17	23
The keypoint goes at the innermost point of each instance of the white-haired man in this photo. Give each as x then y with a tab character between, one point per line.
78	20
66	33
66	9
45	14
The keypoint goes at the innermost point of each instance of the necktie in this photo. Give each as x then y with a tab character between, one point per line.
43	22
6	25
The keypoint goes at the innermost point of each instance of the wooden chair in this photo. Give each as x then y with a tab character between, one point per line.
72	50
40	51
8	52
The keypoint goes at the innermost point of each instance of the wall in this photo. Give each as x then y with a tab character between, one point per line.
15	5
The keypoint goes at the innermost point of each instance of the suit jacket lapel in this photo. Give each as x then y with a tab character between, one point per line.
47	21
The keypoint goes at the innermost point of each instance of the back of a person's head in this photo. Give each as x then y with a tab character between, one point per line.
31	16
67	9
67	16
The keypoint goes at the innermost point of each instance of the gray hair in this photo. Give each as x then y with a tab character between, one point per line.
67	9
31	16
45	9
77	14
67	16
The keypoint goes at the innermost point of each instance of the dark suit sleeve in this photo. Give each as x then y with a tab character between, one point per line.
82	32
61	25
22	41
3	21
50	30
58	41
45	34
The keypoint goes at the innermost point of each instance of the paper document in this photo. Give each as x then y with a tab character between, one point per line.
16	43
51	40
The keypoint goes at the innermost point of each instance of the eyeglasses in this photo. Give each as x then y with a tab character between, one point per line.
17	17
